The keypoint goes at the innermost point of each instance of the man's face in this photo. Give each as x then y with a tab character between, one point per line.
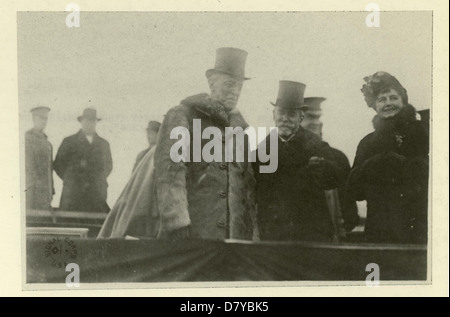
151	137
88	126
388	103
312	123
226	89
287	120
40	121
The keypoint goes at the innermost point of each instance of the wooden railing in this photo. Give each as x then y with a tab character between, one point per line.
60	214
66	219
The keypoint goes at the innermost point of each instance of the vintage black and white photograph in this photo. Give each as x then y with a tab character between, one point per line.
220	147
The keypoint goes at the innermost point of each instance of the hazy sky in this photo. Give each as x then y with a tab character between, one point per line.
134	66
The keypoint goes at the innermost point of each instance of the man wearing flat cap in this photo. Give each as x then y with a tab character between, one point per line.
312	122
291	204
84	162
38	162
206	199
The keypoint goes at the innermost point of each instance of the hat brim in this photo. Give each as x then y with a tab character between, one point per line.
40	108
304	106
81	117
211	71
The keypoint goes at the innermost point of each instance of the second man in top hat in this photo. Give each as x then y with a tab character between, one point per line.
291	203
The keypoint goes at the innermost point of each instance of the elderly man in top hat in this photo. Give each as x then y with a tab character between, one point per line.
203	199
84	162
38	162
291	203
313	123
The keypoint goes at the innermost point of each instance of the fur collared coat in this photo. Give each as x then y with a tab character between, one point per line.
214	200
210	200
390	172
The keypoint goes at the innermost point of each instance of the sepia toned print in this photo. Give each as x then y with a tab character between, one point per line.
159	190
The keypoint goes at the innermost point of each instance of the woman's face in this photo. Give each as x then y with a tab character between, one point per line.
388	103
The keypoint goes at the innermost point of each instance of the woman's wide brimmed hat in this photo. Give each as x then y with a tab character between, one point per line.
290	95
378	82
89	114
229	61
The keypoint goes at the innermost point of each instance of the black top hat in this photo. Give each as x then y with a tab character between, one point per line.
229	61
290	95
90	114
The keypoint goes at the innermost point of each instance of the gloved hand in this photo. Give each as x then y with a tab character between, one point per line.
323	171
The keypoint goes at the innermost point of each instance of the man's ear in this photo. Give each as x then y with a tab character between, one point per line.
210	83
302	116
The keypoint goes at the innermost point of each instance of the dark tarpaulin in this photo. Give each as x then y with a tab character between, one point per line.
119	260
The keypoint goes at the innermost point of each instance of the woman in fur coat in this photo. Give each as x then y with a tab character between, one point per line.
390	170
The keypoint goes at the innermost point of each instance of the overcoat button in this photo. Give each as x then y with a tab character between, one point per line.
221	224
223	194
223	166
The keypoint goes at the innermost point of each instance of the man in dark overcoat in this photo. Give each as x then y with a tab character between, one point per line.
84	162
38	163
291	204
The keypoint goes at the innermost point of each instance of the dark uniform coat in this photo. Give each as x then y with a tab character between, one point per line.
215	200
348	205
39	170
84	167
390	172
291	203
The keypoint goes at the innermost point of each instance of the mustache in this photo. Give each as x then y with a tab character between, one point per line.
286	125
